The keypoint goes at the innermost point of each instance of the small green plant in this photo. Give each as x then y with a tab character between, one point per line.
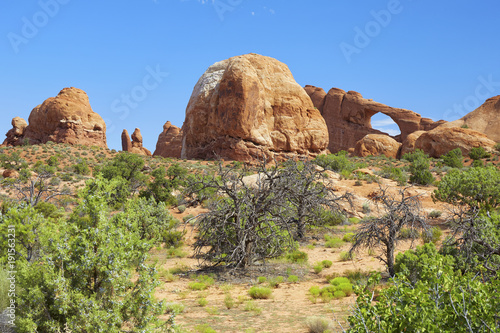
297	256
346	288
453	158
251	306
346	256
213	310
349	237
327	263
497	147
258	292
433	235
197	285
229	301
339	280
408	233
275	282
261	279
293	279
181	208
339	294
333	242
204	328
435	214
174	308
202	301
366	208
318	267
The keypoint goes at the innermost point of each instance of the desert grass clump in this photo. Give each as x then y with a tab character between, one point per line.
333	242
251	306
174	308
257	292
327	263
346	256
318	325
275	282
229	301
433	235
318	267
293	279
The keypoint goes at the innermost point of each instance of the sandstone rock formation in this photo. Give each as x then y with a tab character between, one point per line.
248	106
15	134
135	146
409	144
348	115
485	119
126	143
377	144
441	140
66	118
169	141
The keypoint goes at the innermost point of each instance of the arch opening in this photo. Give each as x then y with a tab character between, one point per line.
384	123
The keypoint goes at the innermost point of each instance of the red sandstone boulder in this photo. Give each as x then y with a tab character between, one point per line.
441	140
376	145
250	106
15	134
409	144
169	141
66	118
10	173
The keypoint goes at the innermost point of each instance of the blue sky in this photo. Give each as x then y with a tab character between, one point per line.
439	59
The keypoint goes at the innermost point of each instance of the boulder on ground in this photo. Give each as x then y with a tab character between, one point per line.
376	145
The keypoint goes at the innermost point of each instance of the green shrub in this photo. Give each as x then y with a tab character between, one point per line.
433	235
333	242
346	288
394	173
258	292
297	256
453	158
327	263
181	208
228	301
346	256
435	214
478	153
338	162
261	279
330	218
81	168
318	267
193	285
477	164
174	308
339	280
348	237
275	282
293	279
497	147
202	302
339	294
314	291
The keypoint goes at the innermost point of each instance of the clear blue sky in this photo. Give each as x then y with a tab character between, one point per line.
427	56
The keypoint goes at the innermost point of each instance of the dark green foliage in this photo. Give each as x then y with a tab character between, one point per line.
427	295
297	256
419	167
394	173
478	153
127	166
476	188
84	278
160	188
48	210
477	164
81	168
52	161
12	161
338	162
453	158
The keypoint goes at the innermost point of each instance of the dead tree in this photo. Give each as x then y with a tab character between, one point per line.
37	189
251	221
383	231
